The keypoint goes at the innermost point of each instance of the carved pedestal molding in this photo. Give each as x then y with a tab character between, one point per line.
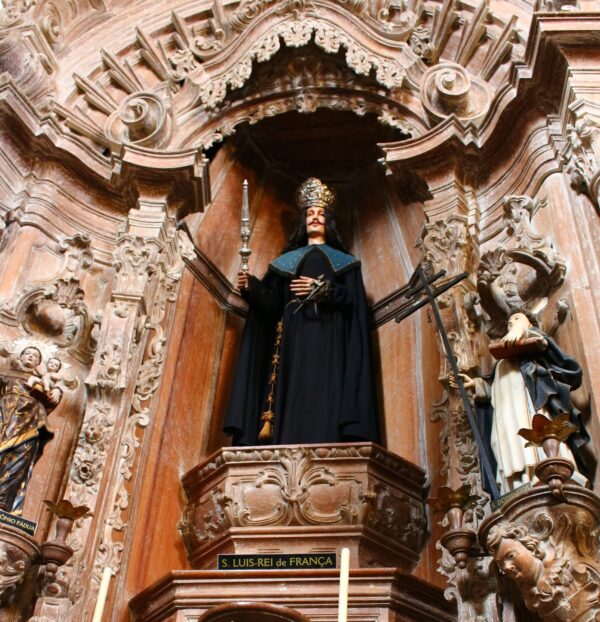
551	551
293	498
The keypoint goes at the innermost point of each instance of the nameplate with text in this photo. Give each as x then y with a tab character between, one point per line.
18	522
292	561
496	504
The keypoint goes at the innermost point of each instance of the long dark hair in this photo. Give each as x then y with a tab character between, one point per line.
299	238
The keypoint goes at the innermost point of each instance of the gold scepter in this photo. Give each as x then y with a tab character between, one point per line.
245	228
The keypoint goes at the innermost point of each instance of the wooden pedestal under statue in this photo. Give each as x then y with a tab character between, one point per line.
301	499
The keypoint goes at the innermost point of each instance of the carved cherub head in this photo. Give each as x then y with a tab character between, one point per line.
53	365
517	553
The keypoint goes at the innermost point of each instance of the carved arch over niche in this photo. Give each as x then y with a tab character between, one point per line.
184	78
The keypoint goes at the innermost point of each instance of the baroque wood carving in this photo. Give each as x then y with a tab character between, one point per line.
550	551
310	492
522	271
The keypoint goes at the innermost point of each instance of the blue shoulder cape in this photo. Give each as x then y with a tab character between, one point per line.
288	263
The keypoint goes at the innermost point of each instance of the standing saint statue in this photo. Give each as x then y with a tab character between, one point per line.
24	406
536	376
304	372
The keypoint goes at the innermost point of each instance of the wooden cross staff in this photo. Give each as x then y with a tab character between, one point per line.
424	285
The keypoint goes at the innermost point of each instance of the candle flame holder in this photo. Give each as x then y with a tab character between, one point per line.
549	434
453	503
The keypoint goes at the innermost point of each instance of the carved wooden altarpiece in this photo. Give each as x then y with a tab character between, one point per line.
460	134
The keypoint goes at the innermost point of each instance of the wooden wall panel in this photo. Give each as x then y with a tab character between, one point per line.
180	432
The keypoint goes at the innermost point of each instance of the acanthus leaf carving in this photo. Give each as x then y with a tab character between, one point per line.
388	72
92	449
579	155
147	384
294	488
135	261
421	43
558	6
14	564
109	368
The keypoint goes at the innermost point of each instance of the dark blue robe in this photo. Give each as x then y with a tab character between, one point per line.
324	390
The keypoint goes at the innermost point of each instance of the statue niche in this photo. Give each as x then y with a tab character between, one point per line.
304	371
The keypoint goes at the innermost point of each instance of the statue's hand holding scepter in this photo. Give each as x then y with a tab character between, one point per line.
243	274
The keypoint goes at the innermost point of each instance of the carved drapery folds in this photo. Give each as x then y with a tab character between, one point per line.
551	551
313	493
521	271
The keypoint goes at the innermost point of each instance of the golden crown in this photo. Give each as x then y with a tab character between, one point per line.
314	192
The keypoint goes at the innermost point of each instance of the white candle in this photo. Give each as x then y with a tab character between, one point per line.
102	594
344	581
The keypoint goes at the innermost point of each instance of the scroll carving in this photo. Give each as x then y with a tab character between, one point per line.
17	553
376	39
297	489
523	270
56	309
579	156
147	383
142	119
551	553
447	88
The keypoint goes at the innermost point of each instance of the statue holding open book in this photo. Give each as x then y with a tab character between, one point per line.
532	375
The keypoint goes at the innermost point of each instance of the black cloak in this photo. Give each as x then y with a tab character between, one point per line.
323	390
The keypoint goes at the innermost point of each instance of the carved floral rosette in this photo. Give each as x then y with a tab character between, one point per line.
550	550
313	498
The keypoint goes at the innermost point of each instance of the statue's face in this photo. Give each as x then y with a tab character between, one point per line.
53	365
518	562
30	358
518	320
315	221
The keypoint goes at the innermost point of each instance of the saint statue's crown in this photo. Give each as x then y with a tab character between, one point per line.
313	192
